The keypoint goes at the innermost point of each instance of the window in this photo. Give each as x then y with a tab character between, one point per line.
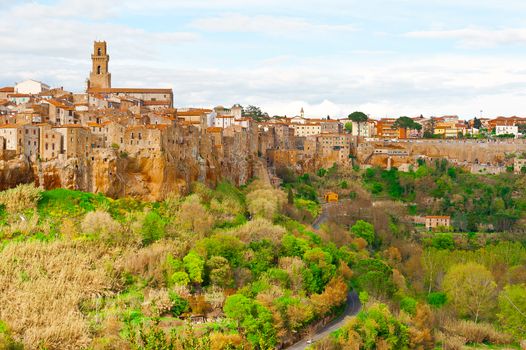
98	70
99	52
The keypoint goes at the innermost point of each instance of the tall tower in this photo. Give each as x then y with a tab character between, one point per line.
99	76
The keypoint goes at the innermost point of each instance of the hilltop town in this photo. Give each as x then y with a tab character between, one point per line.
136	142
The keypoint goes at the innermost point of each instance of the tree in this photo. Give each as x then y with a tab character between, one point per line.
477	123
219	271
512	309
194	217
152	228
470	289
406	123
359	118
194	265
254	318
255	113
364	230
290	196
348	127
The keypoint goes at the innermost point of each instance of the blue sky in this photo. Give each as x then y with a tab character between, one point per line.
387	58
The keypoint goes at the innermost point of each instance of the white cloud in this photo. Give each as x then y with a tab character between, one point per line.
476	37
267	24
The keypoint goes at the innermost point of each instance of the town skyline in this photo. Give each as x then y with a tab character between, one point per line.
437	62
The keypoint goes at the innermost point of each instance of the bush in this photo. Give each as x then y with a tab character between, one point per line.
437	299
20	198
99	223
476	333
152	228
408	305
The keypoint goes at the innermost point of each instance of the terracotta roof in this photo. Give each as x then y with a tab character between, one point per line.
18	95
7	89
437	217
69	126
213	129
130	90
156	103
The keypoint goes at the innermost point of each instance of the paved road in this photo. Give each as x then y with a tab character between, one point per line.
352	307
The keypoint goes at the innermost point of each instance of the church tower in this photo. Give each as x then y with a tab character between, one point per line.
99	77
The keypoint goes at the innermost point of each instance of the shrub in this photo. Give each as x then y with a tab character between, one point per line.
20	198
40	297
476	332
179	304
257	230
99	223
408	305
437	299
152	228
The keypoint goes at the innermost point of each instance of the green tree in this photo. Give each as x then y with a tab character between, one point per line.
477	123
152	228
255	319
470	289
219	271
359	118
406	123
348	127
364	230
255	113
194	265
290	196
512	309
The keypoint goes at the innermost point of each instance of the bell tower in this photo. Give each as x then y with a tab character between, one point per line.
99	76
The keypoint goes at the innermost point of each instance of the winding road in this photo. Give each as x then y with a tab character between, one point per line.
352	307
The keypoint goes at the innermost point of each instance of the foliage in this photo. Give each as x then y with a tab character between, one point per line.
406	123
254	318
372	327
152	228
512	310
437	299
194	266
364	230
20	198
470	289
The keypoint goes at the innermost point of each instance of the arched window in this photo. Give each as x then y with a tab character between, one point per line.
98	70
99	52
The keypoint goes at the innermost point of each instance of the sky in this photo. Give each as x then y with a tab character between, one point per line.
332	57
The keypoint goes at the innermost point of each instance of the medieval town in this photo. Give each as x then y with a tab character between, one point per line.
136	142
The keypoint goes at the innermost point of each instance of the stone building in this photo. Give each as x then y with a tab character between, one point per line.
21	139
100	76
50	142
330	126
75	140
433	222
100	90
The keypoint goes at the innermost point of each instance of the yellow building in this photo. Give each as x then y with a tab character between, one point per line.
331	197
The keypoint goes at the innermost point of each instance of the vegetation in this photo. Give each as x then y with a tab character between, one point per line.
242	268
92	272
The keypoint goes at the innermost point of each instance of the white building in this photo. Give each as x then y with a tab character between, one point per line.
31	87
507	129
366	129
307	129
224	121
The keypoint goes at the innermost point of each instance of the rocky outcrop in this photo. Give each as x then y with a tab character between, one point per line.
14	172
462	152
145	174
